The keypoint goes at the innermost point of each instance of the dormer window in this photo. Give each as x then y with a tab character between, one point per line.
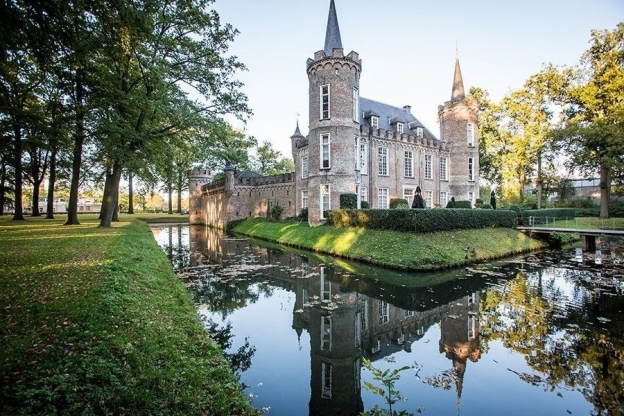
400	127
419	132
375	122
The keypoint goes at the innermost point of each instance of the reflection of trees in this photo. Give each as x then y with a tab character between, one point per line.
224	297
524	318
241	359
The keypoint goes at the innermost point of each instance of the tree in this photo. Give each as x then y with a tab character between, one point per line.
270	161
592	130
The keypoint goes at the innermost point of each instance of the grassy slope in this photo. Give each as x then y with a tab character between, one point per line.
396	249
93	320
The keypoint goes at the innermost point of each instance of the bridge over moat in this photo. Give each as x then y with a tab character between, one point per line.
588	236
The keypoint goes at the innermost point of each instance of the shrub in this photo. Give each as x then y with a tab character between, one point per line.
276	212
303	215
486	206
348	201
459	204
365	205
398	203
422	221
558	213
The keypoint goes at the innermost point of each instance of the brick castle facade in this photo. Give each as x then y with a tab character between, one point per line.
354	146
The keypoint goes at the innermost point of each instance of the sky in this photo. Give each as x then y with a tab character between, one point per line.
408	50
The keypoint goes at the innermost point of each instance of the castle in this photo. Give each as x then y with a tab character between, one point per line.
354	146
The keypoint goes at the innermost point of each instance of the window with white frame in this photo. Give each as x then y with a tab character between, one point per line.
356	105
304	199
470	133
429	199
382	159
325	200
409	164
471	173
443	168
384	313
358	329
471	198
419	132
357	153
364	310
382	198
363	194
472	327
363	158
324	102
326	332
408	194
375	122
400	127
326	376
304	166
325	285
325	151
428	167
443	199
409	313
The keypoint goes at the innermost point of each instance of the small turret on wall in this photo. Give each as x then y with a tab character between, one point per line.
197	178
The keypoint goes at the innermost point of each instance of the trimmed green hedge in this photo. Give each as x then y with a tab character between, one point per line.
398	203
422	220
348	201
459	204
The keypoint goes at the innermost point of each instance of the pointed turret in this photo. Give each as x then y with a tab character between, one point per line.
297	134
458	93
332	36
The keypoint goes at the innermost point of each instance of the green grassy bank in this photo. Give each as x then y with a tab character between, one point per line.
93	321
405	251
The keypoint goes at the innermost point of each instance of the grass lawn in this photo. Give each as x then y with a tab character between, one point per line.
405	251
93	321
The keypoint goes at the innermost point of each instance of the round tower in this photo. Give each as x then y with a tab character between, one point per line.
334	81
197	179
459	129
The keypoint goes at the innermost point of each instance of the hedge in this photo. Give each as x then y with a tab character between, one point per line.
348	201
398	203
558	213
459	204
422	220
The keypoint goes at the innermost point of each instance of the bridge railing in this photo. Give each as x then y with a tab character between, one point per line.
595	223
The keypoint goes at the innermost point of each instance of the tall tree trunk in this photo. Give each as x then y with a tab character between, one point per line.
130	194
3	181
79	137
51	183
170	192
35	199
539	180
179	192
116	208
19	211
605	191
111	188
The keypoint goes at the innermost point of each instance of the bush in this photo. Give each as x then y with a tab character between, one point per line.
276	212
486	206
365	205
348	201
398	203
303	215
421	220
459	204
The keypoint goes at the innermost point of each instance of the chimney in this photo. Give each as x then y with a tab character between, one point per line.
408	109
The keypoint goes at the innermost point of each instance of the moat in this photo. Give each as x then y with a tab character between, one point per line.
537	334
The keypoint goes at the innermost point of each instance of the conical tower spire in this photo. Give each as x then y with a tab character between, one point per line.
332	35
458	93
297	132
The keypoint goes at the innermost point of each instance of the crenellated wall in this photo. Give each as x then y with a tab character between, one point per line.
217	203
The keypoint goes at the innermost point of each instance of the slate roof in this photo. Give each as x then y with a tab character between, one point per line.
390	114
332	35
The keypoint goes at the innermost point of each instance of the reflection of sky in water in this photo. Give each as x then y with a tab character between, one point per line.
282	372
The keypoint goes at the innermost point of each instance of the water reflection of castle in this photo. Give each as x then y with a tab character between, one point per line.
344	325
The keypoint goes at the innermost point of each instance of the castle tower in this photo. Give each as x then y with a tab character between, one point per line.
458	128
197	179
334	123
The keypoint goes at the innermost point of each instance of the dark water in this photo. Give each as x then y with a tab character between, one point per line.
541	334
